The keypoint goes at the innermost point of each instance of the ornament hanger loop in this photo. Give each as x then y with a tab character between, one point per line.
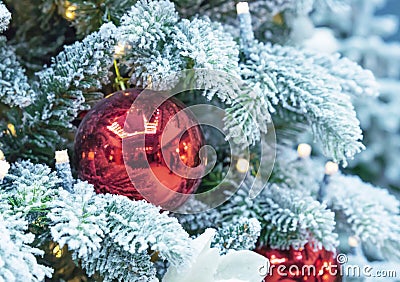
120	82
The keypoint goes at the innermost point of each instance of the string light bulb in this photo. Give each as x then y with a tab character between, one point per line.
64	169
331	168
353	241
61	157
304	150
4	166
57	251
242	165
11	129
70	11
242	8
120	49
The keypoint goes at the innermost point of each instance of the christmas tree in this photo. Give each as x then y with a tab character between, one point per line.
209	141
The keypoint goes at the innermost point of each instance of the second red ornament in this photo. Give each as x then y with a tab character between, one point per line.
303	265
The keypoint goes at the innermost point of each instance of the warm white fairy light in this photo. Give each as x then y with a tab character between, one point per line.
69	11
242	165
119	49
64	169
62	157
353	241
331	168
304	150
242	8
245	26
4	166
57	251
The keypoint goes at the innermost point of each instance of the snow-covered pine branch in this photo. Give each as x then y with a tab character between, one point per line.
5	17
292	220
14	87
306	85
240	235
372	214
17	258
288	217
28	188
79	220
147	29
61	90
81	67
107	231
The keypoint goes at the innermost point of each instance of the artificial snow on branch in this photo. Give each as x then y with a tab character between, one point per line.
95	226
28	188
14	87
79	220
17	258
5	17
300	84
103	232
372	214
147	28
287	216
240	235
61	92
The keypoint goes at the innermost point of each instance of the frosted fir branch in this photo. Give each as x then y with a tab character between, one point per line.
292	220
106	232
300	85
240	235
17	258
79	69
288	217
147	28
5	17
371	213
162	45
79	220
299	174
353	79
195	222
207	45
134	228
28	188
14	87
137	226
116	264
213	54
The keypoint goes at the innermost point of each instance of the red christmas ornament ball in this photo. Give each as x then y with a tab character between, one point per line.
119	143
303	265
